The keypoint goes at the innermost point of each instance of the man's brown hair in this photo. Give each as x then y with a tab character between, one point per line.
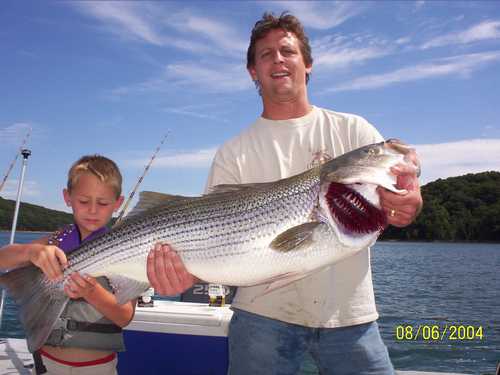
103	168
286	22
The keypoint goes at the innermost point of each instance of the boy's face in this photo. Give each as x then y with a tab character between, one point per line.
93	203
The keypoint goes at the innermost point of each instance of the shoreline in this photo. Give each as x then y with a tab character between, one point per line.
26	231
445	242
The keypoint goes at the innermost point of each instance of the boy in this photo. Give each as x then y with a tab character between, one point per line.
76	346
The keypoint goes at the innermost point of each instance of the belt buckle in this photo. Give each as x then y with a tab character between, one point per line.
71	325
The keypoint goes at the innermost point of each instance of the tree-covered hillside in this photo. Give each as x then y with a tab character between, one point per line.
464	208
32	217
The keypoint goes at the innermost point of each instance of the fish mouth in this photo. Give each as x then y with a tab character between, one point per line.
352	212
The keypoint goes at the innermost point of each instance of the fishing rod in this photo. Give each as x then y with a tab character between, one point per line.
15	158
26	153
139	181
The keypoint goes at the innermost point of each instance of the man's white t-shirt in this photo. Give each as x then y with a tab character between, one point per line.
268	150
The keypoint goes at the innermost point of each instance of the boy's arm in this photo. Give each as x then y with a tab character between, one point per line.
50	259
88	288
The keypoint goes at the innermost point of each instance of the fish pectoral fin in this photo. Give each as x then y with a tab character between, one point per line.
296	237
126	288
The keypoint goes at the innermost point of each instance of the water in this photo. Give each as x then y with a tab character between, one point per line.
416	285
443	285
10	325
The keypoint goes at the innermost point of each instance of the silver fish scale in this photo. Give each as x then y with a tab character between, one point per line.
212	227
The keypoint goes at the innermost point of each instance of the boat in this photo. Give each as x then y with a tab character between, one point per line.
175	337
185	336
171	337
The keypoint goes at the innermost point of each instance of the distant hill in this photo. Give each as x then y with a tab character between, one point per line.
464	208
32	217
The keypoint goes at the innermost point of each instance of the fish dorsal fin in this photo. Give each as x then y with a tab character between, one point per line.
149	200
234	188
295	237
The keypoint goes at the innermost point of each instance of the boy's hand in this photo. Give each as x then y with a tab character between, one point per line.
50	259
78	286
166	272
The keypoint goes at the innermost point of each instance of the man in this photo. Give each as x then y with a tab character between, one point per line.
331	314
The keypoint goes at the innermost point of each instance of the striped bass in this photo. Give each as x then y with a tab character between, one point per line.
239	235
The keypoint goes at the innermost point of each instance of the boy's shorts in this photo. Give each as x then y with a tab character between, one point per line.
56	368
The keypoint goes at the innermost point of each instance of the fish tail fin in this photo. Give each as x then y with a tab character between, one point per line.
40	301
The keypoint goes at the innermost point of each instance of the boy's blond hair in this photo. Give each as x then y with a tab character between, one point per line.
103	168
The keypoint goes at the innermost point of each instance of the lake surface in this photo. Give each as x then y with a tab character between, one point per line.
443	285
450	291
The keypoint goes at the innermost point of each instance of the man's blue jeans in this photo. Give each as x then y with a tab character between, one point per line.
263	346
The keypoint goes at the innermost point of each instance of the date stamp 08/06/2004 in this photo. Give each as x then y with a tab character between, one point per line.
436	332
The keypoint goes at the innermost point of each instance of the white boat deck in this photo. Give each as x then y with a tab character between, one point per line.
15	357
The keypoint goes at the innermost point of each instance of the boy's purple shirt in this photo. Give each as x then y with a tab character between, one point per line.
69	238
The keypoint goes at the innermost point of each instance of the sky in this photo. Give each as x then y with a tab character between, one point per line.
114	78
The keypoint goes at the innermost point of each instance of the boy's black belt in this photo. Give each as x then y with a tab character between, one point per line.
74	325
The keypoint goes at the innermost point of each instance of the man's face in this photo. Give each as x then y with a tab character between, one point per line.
279	67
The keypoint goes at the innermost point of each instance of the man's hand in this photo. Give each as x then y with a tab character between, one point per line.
401	210
166	272
78	286
50	259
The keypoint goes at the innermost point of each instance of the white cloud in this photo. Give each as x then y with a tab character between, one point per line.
222	78
403	40
124	17
154	23
30	189
197	111
334	51
195	159
14	134
482	31
450	159
419	4
218	33
318	14
462	65
347	56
